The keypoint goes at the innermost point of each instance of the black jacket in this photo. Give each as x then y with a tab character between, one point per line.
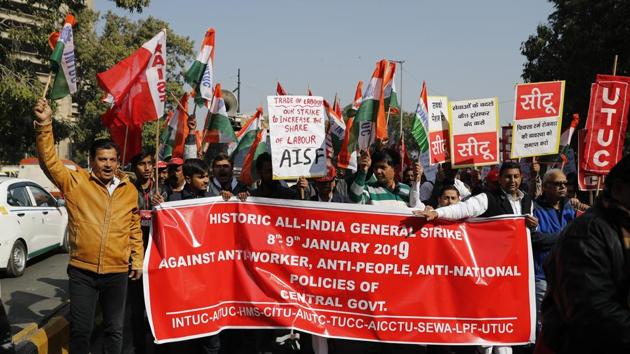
586	307
498	204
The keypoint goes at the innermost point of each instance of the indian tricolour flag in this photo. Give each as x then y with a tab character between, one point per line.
347	157
178	127
369	122
200	75
219	128
246	136
336	129
62	61
259	145
390	96
421	121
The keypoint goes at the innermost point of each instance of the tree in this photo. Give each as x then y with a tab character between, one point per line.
94	52
579	41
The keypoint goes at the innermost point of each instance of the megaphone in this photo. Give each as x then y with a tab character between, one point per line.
231	103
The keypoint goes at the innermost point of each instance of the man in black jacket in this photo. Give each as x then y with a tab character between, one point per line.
586	306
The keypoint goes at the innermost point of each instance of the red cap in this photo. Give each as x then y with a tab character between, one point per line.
161	164
493	175
176	161
331	175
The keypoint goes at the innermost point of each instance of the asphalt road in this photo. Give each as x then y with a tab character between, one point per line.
42	288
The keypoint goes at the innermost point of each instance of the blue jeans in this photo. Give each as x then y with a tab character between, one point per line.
541	288
85	289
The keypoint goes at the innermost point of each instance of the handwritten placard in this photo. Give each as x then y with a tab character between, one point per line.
297	133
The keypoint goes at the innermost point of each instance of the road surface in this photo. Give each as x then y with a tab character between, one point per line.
42	288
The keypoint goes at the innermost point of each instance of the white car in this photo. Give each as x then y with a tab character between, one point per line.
32	221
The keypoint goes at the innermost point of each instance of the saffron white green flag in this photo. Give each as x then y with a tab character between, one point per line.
62	60
200	75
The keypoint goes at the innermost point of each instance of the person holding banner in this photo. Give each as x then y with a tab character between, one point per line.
507	200
586	306
449	195
136	327
268	187
105	239
196	175
385	191
223	182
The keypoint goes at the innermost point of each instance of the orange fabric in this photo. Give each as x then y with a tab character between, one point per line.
103	231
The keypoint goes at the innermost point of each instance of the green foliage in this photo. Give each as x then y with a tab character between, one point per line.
94	51
579	41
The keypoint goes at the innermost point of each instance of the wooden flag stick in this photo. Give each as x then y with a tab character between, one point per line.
124	154
615	65
47	84
157	155
204	145
180	105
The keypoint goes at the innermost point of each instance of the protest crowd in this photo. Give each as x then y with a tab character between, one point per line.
580	248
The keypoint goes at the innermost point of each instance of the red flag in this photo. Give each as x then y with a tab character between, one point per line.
280	90
182	127
128	138
136	86
309	92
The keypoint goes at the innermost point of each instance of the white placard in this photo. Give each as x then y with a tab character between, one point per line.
297	132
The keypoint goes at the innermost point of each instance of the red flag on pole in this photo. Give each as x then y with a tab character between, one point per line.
136	86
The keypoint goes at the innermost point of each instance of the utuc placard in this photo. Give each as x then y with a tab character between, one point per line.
438	128
537	119
606	123
474	132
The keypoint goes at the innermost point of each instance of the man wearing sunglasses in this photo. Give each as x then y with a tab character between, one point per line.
554	211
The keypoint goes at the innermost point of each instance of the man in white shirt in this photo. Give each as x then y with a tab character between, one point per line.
507	200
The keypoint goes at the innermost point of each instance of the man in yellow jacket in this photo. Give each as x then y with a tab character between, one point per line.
104	235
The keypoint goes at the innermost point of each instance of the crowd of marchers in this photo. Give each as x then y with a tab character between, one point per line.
581	253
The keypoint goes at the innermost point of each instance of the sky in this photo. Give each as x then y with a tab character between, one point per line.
462	49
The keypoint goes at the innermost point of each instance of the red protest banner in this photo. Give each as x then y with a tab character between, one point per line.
337	270
537	119
586	181
606	123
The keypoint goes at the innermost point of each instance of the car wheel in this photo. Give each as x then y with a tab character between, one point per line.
17	259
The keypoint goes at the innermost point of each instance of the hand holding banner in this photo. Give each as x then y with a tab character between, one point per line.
337	270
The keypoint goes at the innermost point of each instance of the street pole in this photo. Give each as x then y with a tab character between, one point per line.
400	62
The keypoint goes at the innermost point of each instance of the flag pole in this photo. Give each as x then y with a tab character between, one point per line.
204	145
124	154
157	155
47	84
180	105
401	99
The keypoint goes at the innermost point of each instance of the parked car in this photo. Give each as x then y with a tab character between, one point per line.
32	221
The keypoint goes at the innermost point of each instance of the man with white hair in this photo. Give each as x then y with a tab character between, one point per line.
554	211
